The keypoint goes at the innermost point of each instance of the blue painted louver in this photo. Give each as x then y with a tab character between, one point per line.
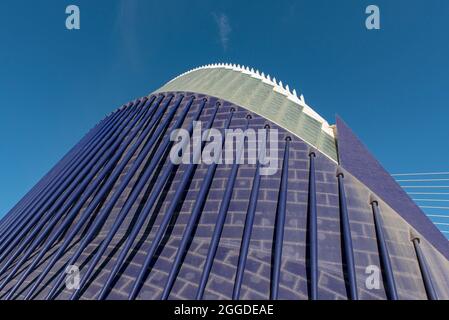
221	218
280	224
347	239
313	230
181	188
247	230
425	271
383	253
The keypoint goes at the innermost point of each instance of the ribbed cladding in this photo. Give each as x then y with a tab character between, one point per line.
40	187
196	213
63	194
109	178
79	186
18	228
153	143
256	281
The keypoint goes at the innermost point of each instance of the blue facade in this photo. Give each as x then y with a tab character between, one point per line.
139	227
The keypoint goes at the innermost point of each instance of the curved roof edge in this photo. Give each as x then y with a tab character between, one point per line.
261	94
277	86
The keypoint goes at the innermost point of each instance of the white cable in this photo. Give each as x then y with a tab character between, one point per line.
425	186
421	180
441	223
432	200
429	193
420	174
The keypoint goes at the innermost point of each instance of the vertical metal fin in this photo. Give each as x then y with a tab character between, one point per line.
383	252
280	223
313	231
347	239
425	271
221	218
156	191
54	197
247	230
185	179
193	220
54	211
105	211
84	191
99	196
131	199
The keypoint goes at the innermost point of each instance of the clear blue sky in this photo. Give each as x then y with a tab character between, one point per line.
390	85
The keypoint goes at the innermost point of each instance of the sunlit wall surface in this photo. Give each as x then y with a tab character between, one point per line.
117	219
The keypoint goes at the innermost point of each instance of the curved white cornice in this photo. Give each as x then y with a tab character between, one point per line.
277	86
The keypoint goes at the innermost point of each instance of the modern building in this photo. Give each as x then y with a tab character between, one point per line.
117	219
